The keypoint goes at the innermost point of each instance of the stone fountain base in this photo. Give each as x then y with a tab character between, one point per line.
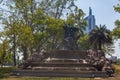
61	63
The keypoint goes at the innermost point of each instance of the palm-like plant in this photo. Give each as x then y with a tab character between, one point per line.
100	36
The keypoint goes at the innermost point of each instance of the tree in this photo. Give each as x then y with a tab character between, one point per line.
76	19
10	32
100	36
116	30
5	53
18	26
31	26
57	8
19	35
55	31
25	40
83	42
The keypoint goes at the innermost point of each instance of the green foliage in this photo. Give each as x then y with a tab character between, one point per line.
54	26
100	36
116	31
83	42
5	55
76	19
57	8
39	20
33	25
117	8
25	36
55	32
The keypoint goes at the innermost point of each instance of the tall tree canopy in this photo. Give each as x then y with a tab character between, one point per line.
38	24
57	8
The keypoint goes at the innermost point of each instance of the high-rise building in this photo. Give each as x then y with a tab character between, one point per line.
90	19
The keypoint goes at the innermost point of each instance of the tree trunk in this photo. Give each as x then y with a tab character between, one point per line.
14	50
25	55
100	45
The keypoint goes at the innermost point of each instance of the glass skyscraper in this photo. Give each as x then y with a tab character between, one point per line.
90	19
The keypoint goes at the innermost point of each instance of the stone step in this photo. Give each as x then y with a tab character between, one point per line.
66	68
65	60
56	73
60	64
68	54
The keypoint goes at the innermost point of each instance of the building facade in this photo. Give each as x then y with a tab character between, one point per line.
90	19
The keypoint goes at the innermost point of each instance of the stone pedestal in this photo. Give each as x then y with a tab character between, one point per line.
60	63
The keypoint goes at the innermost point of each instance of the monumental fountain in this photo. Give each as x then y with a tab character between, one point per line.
66	62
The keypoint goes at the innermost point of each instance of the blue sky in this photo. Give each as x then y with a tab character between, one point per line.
104	14
102	9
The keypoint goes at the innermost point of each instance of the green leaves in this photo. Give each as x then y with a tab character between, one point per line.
57	8
116	30
100	36
5	55
84	43
76	19
36	25
117	8
25	36
116	33
54	25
